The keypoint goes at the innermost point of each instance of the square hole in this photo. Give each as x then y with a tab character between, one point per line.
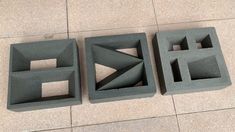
204	42
57	88
43	64
177	44
199	45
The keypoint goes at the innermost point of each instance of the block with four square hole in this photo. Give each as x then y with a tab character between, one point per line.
189	60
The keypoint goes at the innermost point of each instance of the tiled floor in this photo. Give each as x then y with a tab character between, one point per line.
27	20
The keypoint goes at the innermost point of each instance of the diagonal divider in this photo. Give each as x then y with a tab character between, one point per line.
125	77
112	58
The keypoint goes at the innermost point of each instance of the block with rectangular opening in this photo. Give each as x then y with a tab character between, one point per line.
129	74
200	66
43	74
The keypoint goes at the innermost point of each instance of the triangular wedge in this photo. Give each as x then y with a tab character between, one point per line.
103	71
125	77
130	51
112	58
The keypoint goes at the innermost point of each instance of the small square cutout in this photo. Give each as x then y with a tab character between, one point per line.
176	47
199	45
178	43
204	42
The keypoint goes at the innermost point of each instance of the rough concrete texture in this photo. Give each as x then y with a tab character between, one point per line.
189	61
25	84
131	70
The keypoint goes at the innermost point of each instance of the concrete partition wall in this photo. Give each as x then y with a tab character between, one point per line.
189	61
130	69
25	84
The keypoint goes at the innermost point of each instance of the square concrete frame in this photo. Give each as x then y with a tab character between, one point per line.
130	69
190	61
25	85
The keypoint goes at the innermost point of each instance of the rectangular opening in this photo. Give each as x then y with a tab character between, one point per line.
43	64
57	88
204	68
176	71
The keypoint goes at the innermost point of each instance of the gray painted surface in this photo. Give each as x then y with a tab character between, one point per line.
198	66
24	92
130	69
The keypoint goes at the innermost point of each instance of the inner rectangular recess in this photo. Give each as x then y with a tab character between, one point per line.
27	86
43	64
176	70
55	88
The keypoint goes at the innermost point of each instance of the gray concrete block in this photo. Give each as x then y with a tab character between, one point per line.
130	69
189	61
25	85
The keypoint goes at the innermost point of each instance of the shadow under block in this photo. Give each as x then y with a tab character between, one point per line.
130	69
25	85
190	61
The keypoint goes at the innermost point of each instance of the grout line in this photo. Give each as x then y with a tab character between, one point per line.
155	15
67	18
177	120
207	20
5	37
17	36
206	111
71	120
152	25
51	129
123	121
76	31
67	21
104	29
136	119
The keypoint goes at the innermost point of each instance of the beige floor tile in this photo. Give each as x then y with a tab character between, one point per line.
211	100
108	14
30	120
26	17
214	121
88	113
176	11
163	124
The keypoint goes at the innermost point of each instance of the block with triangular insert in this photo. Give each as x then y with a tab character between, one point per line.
128	74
